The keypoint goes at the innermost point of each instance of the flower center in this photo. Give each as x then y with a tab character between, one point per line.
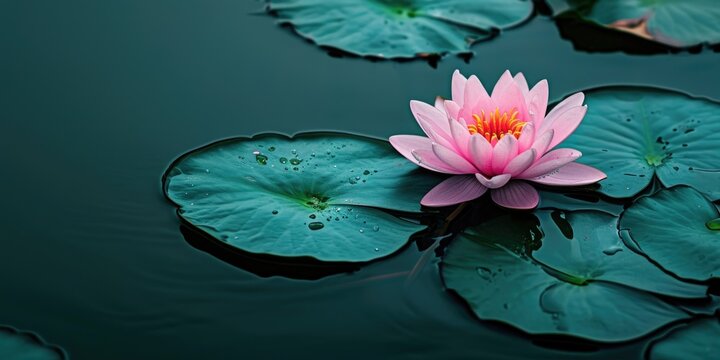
495	125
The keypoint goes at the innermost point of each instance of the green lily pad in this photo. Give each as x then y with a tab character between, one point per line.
314	195
695	341
676	23
586	247
400	28
633	133
674	229
581	295
20	345
577	200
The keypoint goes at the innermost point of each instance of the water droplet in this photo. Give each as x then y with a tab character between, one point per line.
376	228
272	148
484	273
295	161
366	172
316	225
362	230
274	212
207	170
256	152
261	159
357	178
293	151
283	160
352	180
612	250
376	249
312	216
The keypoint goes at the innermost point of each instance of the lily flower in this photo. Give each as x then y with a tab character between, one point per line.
501	142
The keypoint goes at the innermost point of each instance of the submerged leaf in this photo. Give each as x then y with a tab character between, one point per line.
400	28
316	195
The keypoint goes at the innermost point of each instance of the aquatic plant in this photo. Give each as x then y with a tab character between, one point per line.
502	142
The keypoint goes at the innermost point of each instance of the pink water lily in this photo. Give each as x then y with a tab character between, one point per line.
501	142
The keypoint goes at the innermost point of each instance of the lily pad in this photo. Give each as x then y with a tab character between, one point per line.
695	341
313	195
400	28
20	345
633	133
676	23
581	295
674	229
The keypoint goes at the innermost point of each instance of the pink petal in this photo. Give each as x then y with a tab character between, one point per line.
458	87
440	103
453	190
520	163
570	102
452	109
527	137
538	102
461	136
542	143
428	159
433	121
476	99
550	162
505	80
405	144
495	182
504	151
564	124
481	153
516	195
572	174
522	84
453	160
510	97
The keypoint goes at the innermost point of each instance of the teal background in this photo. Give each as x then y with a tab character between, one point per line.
98	97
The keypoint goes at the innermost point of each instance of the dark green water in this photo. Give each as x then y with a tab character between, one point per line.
98	97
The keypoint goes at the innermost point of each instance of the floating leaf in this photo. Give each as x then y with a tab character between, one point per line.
670	22
633	133
400	28
19	345
695	341
672	228
315	195
580	295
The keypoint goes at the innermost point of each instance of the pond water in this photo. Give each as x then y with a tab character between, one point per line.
97	98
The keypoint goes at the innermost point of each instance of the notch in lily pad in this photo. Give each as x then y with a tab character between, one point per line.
563	273
399	29
329	197
677	228
636	133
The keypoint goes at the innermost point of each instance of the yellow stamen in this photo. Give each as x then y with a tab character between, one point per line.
495	126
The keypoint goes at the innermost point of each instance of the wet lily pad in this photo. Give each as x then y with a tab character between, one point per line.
400	28
675	229
675	23
633	133
314	195
695	341
568	289
20	345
